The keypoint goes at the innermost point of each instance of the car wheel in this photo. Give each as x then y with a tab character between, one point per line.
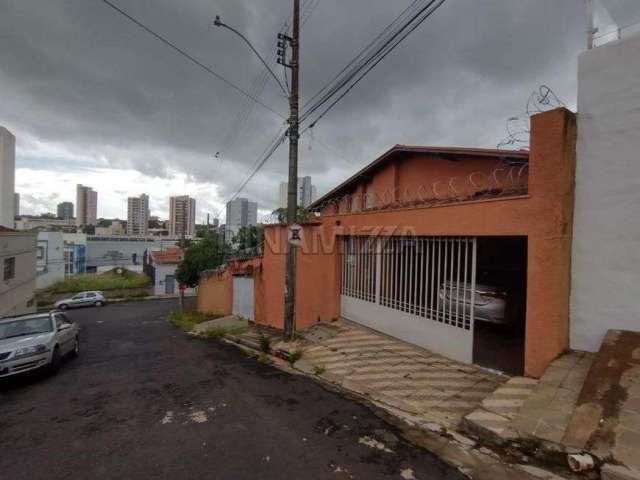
54	366
64	306
76	347
99	303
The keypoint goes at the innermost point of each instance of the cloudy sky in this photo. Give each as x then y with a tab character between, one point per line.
94	99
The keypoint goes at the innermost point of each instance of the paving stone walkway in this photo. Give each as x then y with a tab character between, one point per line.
402	376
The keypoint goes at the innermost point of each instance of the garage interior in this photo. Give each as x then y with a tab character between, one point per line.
502	276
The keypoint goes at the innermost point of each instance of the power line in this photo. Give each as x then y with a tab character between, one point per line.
382	45
371	60
361	53
266	154
190	57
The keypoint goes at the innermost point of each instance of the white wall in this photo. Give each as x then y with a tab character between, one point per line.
7	177
50	267
605	290
164	269
17	294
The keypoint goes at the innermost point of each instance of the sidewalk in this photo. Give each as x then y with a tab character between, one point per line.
583	403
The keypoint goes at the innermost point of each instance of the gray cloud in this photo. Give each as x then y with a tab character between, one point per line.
78	77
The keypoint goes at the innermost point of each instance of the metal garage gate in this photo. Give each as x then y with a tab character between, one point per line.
243	304
418	289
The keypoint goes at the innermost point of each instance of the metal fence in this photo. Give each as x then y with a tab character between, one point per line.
429	277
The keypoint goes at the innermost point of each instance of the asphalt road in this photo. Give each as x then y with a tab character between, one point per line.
145	401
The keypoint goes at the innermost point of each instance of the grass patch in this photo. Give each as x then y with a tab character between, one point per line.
265	358
111	280
295	356
187	320
319	369
265	343
219	331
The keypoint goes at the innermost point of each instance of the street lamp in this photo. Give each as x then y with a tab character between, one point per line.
219	23
293	134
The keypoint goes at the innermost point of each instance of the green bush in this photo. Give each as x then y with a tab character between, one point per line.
102	282
187	320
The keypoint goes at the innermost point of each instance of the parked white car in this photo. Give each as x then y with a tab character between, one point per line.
34	341
82	299
490	303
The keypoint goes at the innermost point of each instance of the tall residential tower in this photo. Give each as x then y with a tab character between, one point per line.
87	206
138	216
240	213
306	193
182	216
7	177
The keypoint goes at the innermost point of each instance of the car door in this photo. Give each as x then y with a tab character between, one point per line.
77	300
90	298
65	333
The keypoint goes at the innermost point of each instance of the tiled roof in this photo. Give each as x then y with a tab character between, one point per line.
168	256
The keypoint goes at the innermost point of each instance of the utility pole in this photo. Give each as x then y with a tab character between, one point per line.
292	192
293	132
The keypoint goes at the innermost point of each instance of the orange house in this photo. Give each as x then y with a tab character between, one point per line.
465	252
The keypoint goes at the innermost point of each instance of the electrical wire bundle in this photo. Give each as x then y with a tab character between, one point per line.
367	59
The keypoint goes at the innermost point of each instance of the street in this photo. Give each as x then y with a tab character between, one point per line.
145	400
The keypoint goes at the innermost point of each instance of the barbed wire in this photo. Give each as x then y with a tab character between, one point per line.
519	127
505	180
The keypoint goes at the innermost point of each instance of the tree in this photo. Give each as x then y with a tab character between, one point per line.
205	254
249	237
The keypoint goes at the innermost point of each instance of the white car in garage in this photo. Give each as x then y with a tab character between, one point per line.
30	342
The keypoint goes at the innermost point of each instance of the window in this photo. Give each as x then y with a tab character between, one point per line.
40	253
9	268
91	295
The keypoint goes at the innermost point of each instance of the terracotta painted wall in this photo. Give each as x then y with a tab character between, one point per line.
214	294
544	216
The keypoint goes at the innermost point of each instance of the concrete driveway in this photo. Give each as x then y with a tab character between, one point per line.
146	401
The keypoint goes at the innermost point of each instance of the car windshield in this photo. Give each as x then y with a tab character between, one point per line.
22	328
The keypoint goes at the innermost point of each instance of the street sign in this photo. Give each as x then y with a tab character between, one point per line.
295	234
182	287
